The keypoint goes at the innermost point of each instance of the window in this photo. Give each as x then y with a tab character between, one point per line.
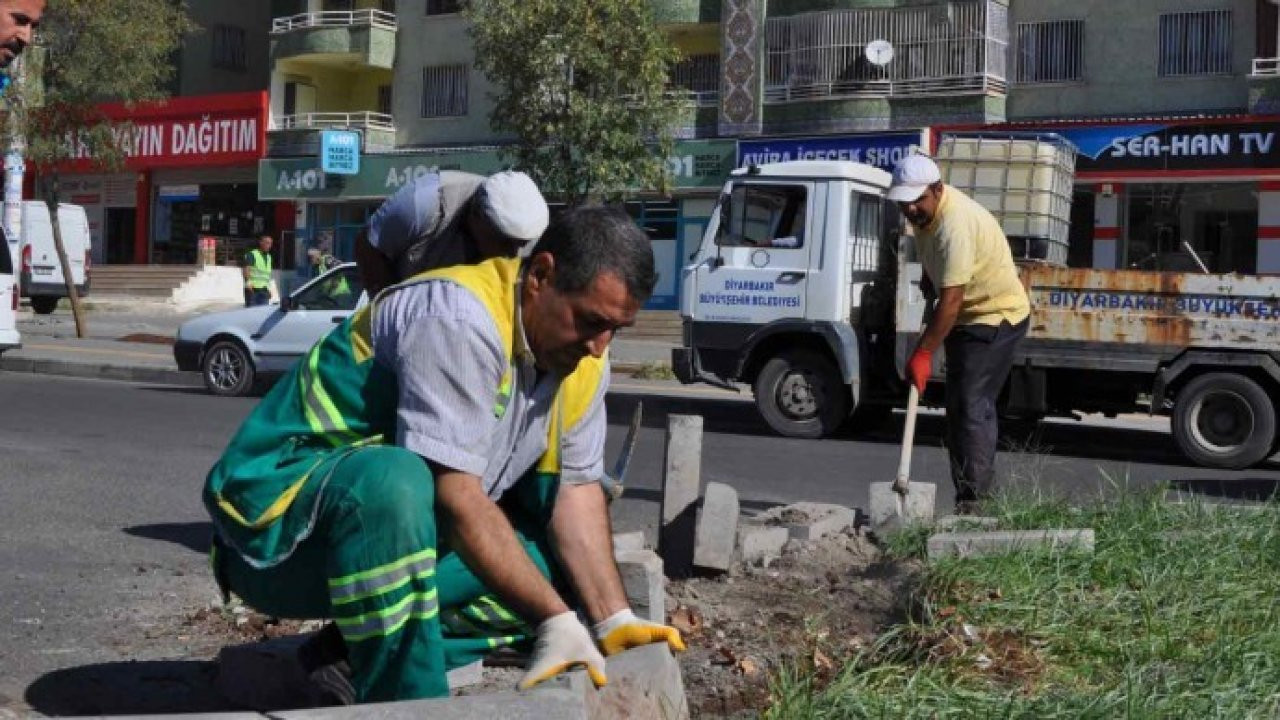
339	290
764	216
866	224
444	91
443	7
1195	43
1050	52
384	99
228	48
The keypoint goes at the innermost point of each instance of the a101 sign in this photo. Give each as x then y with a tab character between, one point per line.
340	152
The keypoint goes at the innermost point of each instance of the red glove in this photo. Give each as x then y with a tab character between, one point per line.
920	367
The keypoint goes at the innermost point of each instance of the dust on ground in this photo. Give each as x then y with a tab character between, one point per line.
815	606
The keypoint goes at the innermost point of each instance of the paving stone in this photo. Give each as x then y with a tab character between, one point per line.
642	578
917	505
757	542
623	542
467	675
975	544
681	482
644	682
540	704
952	523
717	528
810	521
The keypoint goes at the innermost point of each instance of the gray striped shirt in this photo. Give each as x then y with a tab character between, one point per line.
448	359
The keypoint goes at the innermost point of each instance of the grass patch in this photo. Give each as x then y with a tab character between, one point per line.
654	371
1176	614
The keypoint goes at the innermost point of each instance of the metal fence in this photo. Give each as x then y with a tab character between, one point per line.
334	18
1195	43
946	49
358	120
699	77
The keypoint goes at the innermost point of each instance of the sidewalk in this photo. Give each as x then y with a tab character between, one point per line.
131	340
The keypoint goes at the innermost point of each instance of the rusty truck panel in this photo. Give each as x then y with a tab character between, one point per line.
1156	309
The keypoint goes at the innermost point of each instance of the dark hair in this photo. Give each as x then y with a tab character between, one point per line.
589	241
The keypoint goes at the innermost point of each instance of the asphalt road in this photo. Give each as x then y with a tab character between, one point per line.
102	534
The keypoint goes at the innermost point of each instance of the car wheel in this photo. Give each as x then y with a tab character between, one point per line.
43	304
800	394
227	369
1224	420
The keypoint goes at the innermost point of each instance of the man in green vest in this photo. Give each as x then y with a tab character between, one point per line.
428	475
257	273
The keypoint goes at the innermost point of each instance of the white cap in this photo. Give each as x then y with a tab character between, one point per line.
912	176
514	205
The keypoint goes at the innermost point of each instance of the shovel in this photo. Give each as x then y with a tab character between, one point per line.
902	502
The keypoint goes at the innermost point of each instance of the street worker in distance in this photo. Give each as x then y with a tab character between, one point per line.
429	475
257	268
449	218
981	314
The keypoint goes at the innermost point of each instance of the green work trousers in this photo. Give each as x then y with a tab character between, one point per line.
408	609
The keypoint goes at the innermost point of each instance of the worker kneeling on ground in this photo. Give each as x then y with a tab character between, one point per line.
428	474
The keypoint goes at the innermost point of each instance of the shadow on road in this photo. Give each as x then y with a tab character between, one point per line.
632	492
1251	489
193	536
128	688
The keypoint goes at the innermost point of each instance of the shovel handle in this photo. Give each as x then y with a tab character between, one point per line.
900	483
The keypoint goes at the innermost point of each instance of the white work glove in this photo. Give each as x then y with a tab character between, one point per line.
623	631
563	643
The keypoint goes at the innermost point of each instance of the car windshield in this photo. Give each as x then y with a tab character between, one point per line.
339	290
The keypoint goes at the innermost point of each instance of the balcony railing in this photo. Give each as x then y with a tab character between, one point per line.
944	49
1266	66
331	120
333	19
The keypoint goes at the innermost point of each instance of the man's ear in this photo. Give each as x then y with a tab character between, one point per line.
542	271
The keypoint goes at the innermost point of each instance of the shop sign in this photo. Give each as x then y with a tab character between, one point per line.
340	152
211	130
1177	147
179	193
882	150
694	164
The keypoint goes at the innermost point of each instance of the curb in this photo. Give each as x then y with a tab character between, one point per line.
94	371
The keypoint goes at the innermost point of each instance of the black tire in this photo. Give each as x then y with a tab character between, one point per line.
43	304
1224	420
867	418
800	394
227	369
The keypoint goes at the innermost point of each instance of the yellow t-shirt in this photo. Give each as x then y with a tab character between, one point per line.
964	245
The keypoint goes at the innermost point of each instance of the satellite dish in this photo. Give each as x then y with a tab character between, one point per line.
879	52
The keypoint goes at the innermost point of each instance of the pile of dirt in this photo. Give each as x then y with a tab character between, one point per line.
815	606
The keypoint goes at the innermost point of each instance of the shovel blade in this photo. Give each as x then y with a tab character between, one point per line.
891	510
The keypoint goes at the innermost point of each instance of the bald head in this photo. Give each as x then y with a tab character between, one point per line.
18	22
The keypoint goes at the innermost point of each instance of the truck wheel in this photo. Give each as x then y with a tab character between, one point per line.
43	304
227	369
1224	420
800	394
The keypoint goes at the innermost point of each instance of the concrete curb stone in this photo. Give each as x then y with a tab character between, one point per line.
814	520
717	528
98	371
978	544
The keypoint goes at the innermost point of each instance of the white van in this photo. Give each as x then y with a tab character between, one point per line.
40	271
9	337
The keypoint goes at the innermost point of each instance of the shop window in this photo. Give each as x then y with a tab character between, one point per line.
1177	226
1050	52
444	91
764	216
1195	43
443	7
228	48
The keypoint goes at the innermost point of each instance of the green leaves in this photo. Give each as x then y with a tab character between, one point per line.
95	51
583	88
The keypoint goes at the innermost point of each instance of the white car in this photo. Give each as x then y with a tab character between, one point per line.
9	337
233	348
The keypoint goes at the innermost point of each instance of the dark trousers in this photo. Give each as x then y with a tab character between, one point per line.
978	361
256	296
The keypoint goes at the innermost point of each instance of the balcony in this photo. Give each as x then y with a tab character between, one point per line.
299	135
341	39
685	12
1264	86
938	51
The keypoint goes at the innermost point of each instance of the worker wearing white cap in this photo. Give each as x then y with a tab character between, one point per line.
449	218
981	314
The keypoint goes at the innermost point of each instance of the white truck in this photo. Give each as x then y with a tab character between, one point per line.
805	287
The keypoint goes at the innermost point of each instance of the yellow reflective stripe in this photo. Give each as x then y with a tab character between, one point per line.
361	335
276	509
338	582
372	624
304	389
458	623
424	596
550	460
322	414
502	612
504	395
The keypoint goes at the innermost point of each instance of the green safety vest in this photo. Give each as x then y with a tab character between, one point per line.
259	269
262	493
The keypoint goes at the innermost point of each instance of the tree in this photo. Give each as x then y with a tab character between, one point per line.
91	51
583	87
